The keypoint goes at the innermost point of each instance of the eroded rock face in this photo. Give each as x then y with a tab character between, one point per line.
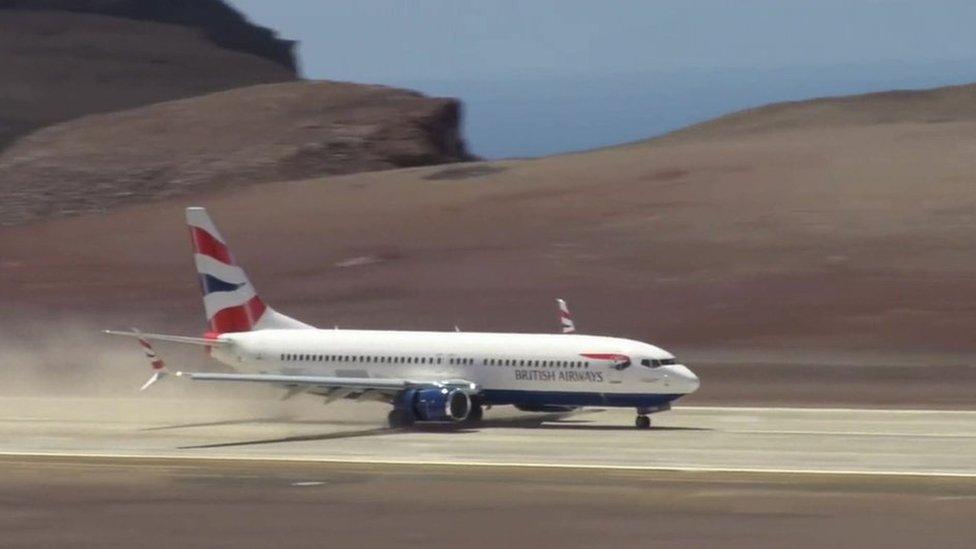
218	22
60	59
247	135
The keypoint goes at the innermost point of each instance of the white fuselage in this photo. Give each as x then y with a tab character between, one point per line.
526	369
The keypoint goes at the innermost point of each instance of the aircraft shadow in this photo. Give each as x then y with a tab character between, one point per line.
540	422
560	426
255	421
549	422
298	438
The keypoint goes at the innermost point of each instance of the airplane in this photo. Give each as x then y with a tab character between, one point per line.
426	376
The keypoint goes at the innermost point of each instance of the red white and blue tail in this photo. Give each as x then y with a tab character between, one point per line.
565	319
229	298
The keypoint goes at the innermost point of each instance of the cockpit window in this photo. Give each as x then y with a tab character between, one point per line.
658	362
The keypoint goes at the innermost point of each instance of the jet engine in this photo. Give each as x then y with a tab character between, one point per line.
439	404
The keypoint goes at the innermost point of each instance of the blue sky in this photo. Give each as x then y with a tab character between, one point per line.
546	76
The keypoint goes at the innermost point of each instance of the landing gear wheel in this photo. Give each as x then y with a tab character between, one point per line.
475	415
643	422
399	418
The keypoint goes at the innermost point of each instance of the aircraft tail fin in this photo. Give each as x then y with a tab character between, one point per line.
229	299
565	319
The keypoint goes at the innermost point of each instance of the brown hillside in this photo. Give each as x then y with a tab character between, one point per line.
256	134
829	263
935	106
56	65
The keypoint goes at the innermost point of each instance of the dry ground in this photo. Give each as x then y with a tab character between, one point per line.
836	250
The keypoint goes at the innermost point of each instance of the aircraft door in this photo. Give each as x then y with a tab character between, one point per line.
617	366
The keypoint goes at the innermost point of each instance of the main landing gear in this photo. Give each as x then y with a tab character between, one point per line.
399	418
643	422
476	413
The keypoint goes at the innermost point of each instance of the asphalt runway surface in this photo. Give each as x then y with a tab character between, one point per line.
693	438
107	502
160	472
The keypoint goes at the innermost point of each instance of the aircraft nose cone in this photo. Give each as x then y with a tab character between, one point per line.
688	379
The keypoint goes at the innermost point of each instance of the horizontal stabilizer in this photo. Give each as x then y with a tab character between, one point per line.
171	338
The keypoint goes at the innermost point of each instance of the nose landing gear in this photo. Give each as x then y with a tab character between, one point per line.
643	420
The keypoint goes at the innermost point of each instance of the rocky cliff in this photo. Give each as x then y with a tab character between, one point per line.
248	135
107	102
60	59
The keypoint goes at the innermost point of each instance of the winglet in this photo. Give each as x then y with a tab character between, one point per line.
152	380
565	319
158	366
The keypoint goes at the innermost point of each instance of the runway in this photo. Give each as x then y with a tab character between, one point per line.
160	472
716	439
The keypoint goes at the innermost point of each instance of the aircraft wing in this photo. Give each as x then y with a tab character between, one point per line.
332	387
329	384
312	381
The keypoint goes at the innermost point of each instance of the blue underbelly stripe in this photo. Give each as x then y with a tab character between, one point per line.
567	398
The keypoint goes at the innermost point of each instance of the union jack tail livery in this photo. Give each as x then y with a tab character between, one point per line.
229	298
565	320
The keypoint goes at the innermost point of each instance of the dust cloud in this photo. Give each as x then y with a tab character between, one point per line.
69	369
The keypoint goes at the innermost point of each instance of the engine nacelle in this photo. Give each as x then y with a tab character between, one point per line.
439	404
